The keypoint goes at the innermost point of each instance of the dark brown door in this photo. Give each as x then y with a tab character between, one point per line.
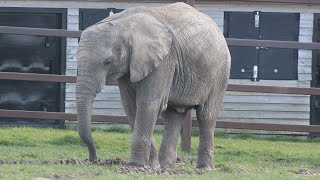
271	63
30	54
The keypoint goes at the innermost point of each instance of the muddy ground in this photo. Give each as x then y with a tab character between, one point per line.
134	170
109	162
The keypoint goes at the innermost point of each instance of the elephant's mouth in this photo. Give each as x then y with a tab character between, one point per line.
113	75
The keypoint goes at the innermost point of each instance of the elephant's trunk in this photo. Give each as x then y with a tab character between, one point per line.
86	89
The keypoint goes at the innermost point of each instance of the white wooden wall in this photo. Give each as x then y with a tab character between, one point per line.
244	107
263	107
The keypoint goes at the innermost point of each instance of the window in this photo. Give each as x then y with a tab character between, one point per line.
271	63
89	17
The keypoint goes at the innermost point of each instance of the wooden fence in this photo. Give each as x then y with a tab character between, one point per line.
189	122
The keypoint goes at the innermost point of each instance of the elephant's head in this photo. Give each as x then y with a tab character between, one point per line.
132	44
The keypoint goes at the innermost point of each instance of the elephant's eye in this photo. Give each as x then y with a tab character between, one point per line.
106	62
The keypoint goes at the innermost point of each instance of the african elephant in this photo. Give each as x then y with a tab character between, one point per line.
167	60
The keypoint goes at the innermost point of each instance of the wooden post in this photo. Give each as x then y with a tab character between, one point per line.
186	133
190	2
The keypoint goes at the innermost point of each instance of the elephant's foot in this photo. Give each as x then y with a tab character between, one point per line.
168	155
138	160
205	165
92	155
167	158
153	158
154	164
167	163
135	164
92	159
153	161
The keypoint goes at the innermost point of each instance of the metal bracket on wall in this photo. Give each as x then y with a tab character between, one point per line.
256	19
49	41
255	73
111	12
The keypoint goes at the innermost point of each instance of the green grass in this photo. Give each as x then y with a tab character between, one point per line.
236	156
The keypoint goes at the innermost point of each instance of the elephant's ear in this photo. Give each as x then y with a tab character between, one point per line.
150	42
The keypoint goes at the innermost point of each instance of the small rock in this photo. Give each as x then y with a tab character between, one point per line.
46	162
239	170
199	171
303	171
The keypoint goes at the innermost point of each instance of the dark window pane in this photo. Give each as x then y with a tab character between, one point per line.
275	63
30	54
89	17
242	25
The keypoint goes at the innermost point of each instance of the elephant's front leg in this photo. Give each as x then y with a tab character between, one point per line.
128	97
151	100
146	116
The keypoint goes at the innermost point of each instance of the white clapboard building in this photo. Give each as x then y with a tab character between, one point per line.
287	20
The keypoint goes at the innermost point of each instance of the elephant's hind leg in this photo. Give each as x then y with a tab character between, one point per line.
172	126
206	116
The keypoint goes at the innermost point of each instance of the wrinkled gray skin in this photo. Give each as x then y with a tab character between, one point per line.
167	60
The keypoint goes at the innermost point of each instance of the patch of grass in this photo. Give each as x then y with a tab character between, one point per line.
241	156
66	140
116	129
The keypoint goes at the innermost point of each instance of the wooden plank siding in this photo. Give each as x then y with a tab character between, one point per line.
71	60
240	107
270	108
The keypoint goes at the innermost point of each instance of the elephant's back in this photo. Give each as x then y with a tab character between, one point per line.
200	40
191	27
203	55
180	16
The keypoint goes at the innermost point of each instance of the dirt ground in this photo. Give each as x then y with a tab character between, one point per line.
109	162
